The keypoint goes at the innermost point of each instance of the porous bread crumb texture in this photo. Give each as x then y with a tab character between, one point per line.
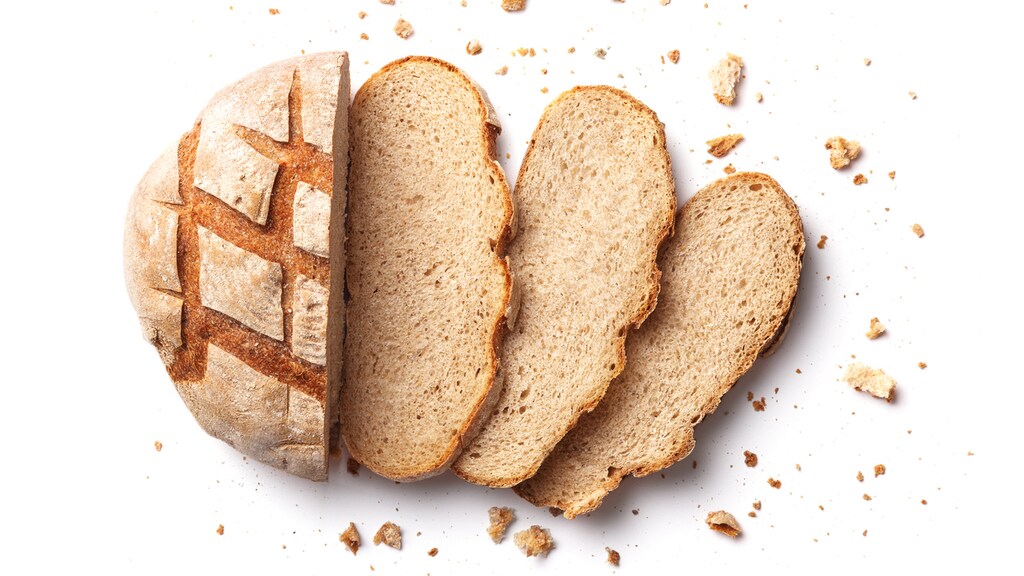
499	519
724	77
730	169
775	483
428	286
673	56
719	147
591	219
860	179
918	230
875	329
403	28
719	280
749	458
841	151
600	53
879	470
613	556
860	476
722	521
535	541
513	5
871	380
473	47
350	538
756	505
390	534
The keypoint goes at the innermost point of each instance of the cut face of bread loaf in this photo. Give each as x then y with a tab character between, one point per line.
234	256
729	279
429	214
595	199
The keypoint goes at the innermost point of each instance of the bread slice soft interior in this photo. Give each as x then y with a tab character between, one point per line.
729	280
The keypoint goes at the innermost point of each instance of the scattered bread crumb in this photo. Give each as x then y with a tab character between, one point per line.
870	380
500	518
722	145
860	179
403	28
501	71
362	15
821	242
879	470
473	47
554	511
513	5
600	53
918	230
860	476
924	502
913	95
820	507
774	483
535	541
352	466
750	395
389	534
432	552
613	556
350	538
730	169
388	2
757	505
841	151
572	49
892	175
544	90
865	532
220	529
867	496
363	36
722	521
758	96
749	458
724	77
922	365
867	61
673	56
664	2
875	330
274	11
636	511
759	405
798	468
158	445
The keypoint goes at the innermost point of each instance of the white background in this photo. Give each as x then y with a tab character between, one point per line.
92	92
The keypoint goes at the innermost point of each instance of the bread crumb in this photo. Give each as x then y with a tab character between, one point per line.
860	179
730	169
759	405
870	380
600	53
922	365
389	534
913	95
724	77
664	2
544	71
352	466
363	36
860	476
432	552
752	514
798	468
403	28
501	71
362	15
722	521
774	483
892	175
158	445
473	47
220	529
749	458
821	246
867	496
841	151
750	395
924	502
513	5
274	11
636	511
719	147
500	518
758	96
673	56
350	538
544	90
613	556
572	49
865	533
554	511
388	2
867	61
535	541
879	470
756	505
694	465
918	230
875	330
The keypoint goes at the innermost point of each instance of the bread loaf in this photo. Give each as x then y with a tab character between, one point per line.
429	289
234	260
595	198
729	280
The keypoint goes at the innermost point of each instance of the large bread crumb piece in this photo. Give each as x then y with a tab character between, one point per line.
500	519
875	330
724	77
870	380
722	145
513	5
403	28
722	521
350	538
535	541
841	151
389	534
613	556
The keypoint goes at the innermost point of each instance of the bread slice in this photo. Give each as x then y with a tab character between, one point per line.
429	215
234	260
730	277
595	198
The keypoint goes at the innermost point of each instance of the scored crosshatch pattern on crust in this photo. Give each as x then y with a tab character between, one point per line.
273	242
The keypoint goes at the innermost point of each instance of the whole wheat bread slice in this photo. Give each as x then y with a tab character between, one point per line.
429	214
730	277
595	199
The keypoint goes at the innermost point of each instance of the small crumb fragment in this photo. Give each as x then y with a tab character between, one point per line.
572	49
544	90
913	95
860	179
362	15
352	466
820	507
865	533
821	242
554	511
750	395
867	497
774	483
613	556
389	534
924	502
473	47
798	468
860	476
501	71
918	230
752	514
730	169
403	29
432	552
535	541
363	36
759	405
876	329
513	5
757	505
673	56
388	2
724	77
879	470
274	11
636	512
749	458
922	365
759	97
220	529
719	147
867	61
158	445
969	453
841	151
350	538
600	53
500	518
722	521
664	2
892	175
870	380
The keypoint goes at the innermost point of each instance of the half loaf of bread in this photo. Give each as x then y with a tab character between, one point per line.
234	254
729	280
595	199
429	215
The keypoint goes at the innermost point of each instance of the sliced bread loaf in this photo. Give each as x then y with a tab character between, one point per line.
595	199
429	214
730	277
